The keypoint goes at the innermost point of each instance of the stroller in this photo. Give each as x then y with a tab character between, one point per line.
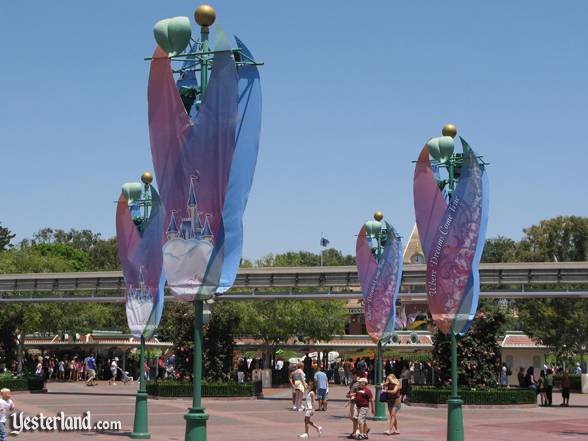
125	378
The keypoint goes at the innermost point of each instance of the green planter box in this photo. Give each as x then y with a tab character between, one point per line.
430	395
22	383
182	389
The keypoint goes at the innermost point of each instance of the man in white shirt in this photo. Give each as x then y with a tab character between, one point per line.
6	406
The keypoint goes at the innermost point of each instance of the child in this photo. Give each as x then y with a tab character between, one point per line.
310	403
6	406
364	399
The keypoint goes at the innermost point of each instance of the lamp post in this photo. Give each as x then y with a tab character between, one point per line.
377	231
451	215
213	140
141	421
196	417
453	164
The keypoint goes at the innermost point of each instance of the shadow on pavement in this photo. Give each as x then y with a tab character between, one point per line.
103	394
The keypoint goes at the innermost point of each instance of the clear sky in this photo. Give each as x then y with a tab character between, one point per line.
352	91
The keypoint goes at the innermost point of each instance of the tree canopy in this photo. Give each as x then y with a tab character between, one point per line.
58	251
560	239
274	322
5	237
331	257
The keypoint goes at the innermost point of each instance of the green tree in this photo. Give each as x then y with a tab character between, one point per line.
331	257
5	237
499	249
56	251
478	352
177	326
561	324
273	322
562	238
102	253
218	342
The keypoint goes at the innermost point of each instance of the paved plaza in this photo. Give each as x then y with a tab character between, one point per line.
271	418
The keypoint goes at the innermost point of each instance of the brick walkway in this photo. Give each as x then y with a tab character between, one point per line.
271	419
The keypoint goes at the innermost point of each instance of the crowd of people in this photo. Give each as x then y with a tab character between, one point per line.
544	382
77	367
310	378
310	390
337	372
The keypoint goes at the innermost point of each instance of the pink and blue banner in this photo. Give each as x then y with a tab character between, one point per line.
139	250
452	233
380	281
204	162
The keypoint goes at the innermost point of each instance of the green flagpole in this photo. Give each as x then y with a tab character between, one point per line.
195	417
378	379
141	423
454	413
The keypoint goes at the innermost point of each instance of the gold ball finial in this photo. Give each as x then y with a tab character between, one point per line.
449	130
378	215
205	15
147	178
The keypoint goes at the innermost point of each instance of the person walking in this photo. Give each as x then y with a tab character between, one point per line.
113	371
392	387
565	389
364	401
322	388
549	387
361	367
542	388
91	370
298	383
348	368
353	388
6	406
309	412
341	372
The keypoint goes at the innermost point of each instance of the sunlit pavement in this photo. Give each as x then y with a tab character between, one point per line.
271	417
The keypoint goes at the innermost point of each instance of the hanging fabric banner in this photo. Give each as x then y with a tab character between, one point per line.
204	166
380	281
139	251
452	234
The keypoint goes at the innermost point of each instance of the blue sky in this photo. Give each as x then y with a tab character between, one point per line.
352	90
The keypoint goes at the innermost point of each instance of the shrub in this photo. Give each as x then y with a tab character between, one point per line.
430	395
576	382
184	389
22	383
